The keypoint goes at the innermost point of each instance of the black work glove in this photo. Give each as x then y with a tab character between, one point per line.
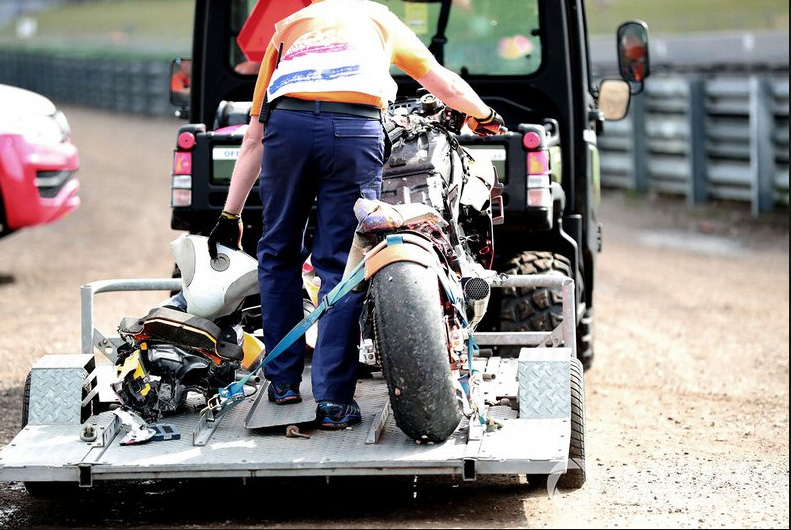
492	124
227	231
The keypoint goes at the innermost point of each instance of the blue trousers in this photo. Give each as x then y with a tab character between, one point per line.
332	159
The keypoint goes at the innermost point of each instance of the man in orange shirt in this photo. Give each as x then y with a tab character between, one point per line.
181	79
634	55
316	134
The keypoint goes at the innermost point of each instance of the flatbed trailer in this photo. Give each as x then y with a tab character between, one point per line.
71	434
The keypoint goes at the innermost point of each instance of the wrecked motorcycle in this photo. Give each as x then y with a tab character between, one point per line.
427	249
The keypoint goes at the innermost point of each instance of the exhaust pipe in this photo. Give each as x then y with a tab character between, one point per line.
476	296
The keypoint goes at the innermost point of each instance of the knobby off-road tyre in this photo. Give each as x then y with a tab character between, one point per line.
412	341
574	477
541	308
585	338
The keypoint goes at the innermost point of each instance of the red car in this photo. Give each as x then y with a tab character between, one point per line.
38	162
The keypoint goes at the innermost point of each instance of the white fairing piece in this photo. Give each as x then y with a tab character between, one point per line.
478	189
213	287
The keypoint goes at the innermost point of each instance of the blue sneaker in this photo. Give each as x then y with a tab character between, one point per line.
283	393
332	415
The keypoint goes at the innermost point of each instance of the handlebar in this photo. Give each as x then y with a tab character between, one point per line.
429	106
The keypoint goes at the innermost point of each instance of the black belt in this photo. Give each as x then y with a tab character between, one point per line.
353	109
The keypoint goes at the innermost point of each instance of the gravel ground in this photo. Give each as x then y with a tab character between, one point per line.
687	402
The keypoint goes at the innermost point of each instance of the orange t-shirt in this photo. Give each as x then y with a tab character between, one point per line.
179	82
340	50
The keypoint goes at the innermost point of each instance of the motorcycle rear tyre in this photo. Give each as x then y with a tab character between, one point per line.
412	340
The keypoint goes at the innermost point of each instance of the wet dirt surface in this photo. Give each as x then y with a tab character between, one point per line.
687	400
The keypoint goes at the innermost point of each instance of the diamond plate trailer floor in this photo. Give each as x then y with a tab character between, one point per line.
531	437
56	452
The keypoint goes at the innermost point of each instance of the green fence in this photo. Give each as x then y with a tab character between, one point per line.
139	86
725	137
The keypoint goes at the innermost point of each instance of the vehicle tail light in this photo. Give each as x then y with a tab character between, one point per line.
538	163
181	176
181	179
180	197
538	194
538	176
182	163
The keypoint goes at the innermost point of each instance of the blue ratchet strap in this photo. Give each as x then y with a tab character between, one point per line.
236	389
394	239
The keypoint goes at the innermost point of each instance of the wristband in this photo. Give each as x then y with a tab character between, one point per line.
488	118
228	215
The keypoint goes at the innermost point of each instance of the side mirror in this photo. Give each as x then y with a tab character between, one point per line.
632	45
180	81
614	97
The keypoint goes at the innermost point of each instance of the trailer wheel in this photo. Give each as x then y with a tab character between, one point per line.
412	340
541	308
574	477
26	401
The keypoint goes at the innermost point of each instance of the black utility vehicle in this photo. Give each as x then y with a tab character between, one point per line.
529	59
